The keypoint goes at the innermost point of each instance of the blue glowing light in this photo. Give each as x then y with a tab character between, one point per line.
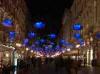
98	35
31	34
46	47
62	41
37	42
57	47
42	40
77	26
12	35
77	35
70	45
81	41
25	41
39	25
7	22
52	36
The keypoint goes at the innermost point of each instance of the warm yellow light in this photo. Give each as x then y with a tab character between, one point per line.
7	55
27	49
78	45
18	44
56	54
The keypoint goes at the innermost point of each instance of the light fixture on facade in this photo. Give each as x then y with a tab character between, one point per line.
7	55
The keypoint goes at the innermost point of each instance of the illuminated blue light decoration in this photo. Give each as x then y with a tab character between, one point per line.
52	43
37	42
39	25
77	26
7	22
52	36
77	35
12	35
31	34
47	47
81	41
26	42
63	42
33	46
98	35
42	40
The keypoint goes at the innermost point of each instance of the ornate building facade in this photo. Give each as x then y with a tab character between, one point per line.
18	12
66	28
85	12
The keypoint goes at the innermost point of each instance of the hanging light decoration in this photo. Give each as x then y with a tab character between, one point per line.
31	35
48	47
12	35
77	35
26	42
81	41
39	25
52	36
77	26
7	22
62	41
37	42
42	40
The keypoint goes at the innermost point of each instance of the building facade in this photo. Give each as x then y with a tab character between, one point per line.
66	28
85	12
17	11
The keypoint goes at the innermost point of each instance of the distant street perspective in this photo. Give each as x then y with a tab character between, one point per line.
49	36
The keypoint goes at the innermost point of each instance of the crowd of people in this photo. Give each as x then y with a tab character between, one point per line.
58	65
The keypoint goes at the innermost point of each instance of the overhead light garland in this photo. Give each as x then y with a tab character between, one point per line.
46	47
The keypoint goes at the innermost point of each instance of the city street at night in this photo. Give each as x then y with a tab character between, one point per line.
49	36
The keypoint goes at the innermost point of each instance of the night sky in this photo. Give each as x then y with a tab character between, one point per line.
50	11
